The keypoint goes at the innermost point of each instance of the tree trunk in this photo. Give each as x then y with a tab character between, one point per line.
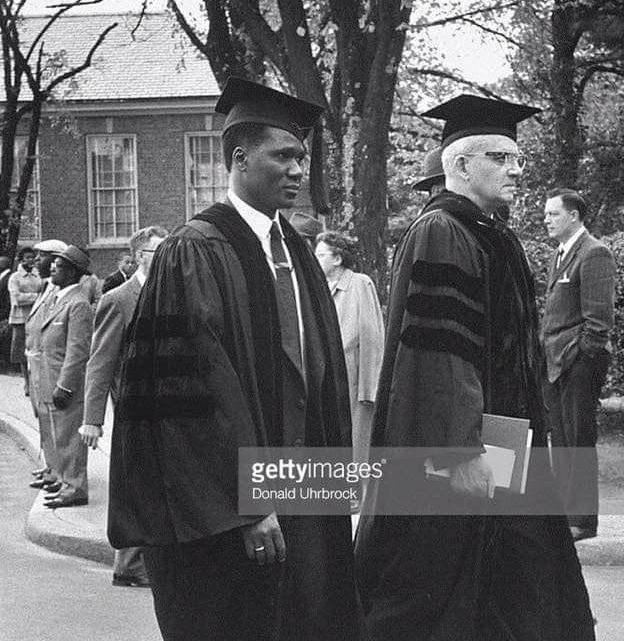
568	140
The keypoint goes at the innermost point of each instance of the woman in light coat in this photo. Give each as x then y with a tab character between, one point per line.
362	330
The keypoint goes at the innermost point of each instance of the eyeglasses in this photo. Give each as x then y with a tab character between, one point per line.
501	158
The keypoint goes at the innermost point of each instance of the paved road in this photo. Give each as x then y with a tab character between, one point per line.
49	597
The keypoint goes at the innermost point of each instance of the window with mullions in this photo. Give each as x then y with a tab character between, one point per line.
112	175
30	227
206	177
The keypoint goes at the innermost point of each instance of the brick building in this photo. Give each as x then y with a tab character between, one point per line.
134	140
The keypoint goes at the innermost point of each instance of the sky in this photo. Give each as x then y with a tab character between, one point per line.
478	61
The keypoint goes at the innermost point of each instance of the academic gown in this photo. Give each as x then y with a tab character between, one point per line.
203	376
461	340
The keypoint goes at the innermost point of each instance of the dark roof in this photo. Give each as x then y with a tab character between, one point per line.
157	63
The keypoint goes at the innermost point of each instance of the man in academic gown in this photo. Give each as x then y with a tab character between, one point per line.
462	340
235	343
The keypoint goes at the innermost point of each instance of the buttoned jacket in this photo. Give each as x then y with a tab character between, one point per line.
65	341
579	307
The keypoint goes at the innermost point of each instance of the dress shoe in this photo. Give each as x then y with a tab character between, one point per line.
53	487
61	501
39	484
40	472
580	533
130	581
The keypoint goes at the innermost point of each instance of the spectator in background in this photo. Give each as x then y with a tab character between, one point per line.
91	285
125	268
578	316
65	340
24	286
5	299
5	308
306	226
46	477
432	180
112	317
361	328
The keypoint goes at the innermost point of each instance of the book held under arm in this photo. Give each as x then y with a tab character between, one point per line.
507	441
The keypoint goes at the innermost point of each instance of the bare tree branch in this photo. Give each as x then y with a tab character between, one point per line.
494	32
87	63
64	8
461	16
196	41
589	74
448	75
140	20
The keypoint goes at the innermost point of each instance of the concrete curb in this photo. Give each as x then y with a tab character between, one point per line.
20	433
79	531
66	531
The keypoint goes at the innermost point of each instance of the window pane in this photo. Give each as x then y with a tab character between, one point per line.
113	186
206	175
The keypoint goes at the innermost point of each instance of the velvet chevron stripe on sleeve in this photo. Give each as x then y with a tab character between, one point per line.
445	312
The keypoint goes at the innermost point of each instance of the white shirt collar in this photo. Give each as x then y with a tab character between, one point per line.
568	244
260	223
63	292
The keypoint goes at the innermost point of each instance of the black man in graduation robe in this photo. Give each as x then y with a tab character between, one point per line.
223	354
462	340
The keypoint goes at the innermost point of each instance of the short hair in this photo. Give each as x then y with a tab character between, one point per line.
341	245
141	237
25	250
244	133
571	200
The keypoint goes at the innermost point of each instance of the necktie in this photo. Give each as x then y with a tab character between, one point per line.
559	257
286	302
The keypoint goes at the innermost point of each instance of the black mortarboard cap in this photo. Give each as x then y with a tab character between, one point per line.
246	101
468	115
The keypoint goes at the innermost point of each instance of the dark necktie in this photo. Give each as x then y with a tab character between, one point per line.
559	258
287	306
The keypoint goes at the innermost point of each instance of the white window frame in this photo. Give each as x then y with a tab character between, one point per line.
34	188
110	240
188	163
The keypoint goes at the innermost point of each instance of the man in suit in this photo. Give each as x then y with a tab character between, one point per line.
65	339
578	317
124	270
46	477
112	318
235	342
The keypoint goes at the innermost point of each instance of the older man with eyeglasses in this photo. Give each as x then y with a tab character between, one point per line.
462	341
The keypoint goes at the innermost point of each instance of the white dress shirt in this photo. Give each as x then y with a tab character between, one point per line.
261	226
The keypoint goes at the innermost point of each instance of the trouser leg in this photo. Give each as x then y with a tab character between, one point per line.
129	562
70	449
571	402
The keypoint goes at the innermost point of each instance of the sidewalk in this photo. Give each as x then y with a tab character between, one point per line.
81	531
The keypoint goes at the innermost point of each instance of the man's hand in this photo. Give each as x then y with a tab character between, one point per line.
61	398
264	541
473	477
90	434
